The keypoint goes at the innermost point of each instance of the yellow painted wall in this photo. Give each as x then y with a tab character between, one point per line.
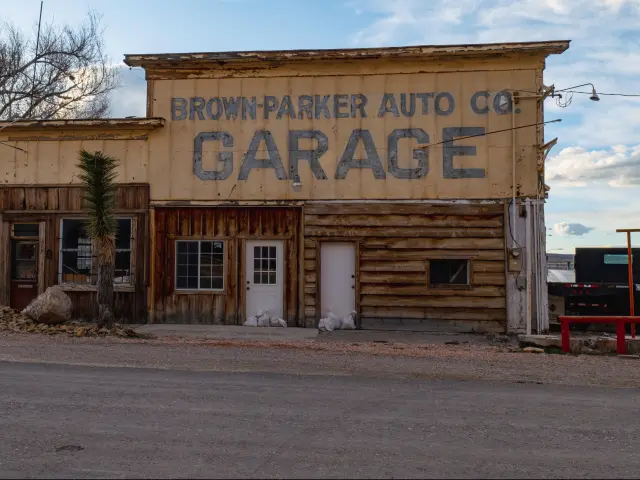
172	149
166	159
54	161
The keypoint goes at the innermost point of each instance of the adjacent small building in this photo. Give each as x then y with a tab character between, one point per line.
406	184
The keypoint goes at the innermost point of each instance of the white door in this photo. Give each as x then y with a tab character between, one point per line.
338	278
265	279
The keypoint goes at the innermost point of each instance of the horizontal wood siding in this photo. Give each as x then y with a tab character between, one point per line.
395	244
234	226
50	204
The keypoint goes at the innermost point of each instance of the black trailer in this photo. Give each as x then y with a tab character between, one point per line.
601	285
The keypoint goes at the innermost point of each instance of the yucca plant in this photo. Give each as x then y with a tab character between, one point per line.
98	175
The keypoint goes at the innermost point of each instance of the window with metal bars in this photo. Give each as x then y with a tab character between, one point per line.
77	265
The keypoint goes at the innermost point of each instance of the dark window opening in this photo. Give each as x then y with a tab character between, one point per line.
26	229
449	272
76	253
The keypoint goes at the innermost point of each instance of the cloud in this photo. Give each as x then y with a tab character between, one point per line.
566	229
605	42
130	99
617	166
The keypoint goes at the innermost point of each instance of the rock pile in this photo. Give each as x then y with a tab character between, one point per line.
13	321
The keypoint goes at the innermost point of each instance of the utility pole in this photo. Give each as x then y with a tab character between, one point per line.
35	63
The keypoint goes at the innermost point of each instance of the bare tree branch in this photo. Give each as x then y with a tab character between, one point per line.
73	77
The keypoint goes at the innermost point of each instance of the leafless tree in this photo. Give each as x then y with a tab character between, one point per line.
67	76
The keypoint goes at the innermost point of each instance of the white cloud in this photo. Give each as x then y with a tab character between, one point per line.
617	166
566	229
131	98
605	42
603	138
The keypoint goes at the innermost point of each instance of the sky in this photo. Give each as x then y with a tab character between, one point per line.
593	170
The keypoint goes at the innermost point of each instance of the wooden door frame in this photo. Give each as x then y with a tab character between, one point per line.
6	260
357	243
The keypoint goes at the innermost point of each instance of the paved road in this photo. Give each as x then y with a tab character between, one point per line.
134	422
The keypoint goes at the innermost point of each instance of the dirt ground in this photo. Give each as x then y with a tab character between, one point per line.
463	361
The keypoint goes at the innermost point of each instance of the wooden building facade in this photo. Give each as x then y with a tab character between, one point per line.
405	184
44	245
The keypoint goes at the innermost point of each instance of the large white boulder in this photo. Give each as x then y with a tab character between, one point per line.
52	307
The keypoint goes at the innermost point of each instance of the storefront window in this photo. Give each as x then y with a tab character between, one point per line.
77	257
199	265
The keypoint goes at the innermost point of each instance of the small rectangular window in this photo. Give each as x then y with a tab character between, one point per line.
26	229
448	272
199	265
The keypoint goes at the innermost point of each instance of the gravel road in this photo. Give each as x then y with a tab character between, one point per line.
66	421
450	362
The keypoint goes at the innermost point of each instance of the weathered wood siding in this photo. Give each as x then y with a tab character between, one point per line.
50	204
394	244
234	226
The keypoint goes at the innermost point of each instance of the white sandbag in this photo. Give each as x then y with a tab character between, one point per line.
264	321
349	322
276	321
335	321
261	313
251	322
325	325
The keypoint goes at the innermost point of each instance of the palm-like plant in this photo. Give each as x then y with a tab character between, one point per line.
98	175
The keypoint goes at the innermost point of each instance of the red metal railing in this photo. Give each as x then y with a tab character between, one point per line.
620	332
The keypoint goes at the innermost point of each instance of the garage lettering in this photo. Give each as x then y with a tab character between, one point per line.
264	153
335	106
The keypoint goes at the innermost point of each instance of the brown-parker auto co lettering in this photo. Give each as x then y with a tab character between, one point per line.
336	106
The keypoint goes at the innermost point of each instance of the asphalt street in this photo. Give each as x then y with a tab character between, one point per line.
92	422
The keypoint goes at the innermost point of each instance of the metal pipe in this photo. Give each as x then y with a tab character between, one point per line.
631	284
529	260
513	171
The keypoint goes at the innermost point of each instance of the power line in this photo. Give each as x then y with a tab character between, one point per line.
13	146
610	94
493	131
569	91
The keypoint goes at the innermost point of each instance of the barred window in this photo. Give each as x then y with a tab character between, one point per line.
199	265
75	254
76	266
122	273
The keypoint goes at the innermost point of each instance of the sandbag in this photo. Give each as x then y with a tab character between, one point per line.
251	322
276	321
349	322
264	320
52	307
325	325
335	321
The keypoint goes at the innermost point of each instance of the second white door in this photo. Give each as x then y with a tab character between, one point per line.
338	278
264	277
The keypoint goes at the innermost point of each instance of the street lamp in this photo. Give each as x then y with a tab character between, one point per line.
594	95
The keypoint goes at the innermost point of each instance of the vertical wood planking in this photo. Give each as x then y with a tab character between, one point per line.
234	225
